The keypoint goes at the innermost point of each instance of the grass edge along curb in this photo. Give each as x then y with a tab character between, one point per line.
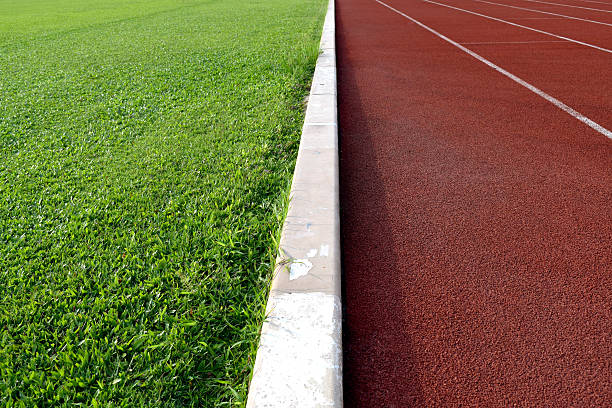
299	358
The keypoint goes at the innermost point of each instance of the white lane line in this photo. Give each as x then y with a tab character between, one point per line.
544	12
568	5
511	42
536	18
551	99
522	26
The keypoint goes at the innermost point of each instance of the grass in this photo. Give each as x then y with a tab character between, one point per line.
146	149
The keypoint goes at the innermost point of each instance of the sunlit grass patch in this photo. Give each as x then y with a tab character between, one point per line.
146	149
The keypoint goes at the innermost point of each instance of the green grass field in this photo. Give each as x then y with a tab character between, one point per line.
146	149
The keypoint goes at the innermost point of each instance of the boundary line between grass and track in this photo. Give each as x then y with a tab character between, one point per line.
513	77
299	358
521	26
544	12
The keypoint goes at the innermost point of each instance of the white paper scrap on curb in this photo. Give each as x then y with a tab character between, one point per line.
299	267
324	250
312	253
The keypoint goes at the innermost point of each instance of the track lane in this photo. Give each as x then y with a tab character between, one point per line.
585	3
564	16
577	115
596	37
574	74
603	17
597	9
594	1
476	229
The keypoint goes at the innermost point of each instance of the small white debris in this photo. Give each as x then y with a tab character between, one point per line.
299	268
312	253
324	250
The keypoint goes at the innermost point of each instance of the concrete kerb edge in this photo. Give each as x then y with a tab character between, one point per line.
299	358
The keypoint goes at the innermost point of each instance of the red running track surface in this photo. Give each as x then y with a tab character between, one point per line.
476	215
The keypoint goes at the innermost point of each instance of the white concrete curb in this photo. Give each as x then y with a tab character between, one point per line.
299	360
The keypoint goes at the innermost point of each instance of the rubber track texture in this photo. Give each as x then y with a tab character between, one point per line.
476	216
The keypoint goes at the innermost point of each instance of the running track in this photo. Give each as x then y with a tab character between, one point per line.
476	194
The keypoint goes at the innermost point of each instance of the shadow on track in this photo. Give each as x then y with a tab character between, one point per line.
378	362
